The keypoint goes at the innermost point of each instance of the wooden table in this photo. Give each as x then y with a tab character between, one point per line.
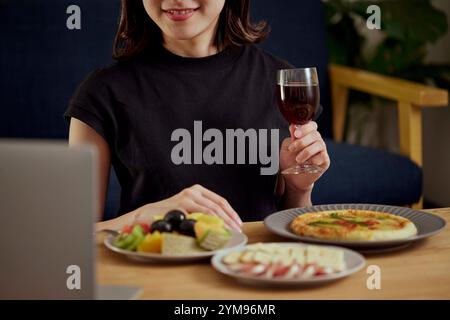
421	271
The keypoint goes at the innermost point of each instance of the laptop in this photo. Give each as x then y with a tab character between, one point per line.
47	212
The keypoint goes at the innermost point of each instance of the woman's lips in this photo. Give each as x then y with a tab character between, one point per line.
179	14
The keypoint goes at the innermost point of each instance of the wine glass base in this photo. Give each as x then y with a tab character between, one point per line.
303	168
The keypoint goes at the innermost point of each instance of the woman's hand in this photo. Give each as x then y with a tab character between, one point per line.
193	199
307	146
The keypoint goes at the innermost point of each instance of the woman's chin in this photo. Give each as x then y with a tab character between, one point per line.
183	35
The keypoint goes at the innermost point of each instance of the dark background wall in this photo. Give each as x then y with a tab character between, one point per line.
42	62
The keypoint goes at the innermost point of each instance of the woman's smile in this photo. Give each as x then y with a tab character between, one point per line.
180	14
193	22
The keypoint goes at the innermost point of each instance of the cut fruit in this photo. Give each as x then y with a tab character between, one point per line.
201	228
194	215
198	216
138	231
135	243
214	240
127	229
213	220
174	244
123	240
152	243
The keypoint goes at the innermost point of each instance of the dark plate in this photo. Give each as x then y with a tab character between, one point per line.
427	224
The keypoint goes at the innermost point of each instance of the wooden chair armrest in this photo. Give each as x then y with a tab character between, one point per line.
388	87
410	98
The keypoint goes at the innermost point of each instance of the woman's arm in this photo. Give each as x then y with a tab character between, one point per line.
81	133
291	197
195	198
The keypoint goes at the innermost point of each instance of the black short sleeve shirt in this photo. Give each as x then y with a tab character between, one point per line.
138	105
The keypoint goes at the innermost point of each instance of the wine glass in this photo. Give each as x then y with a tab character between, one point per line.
298	98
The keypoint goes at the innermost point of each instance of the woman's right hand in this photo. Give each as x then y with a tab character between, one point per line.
192	199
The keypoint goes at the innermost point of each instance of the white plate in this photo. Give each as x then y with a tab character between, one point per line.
353	262
237	240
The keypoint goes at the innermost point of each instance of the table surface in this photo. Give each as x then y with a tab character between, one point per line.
421	271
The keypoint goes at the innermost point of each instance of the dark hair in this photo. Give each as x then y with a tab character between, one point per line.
137	31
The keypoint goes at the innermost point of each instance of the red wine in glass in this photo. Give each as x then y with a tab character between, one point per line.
298	102
298	98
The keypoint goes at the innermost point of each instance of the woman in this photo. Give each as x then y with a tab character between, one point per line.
181	64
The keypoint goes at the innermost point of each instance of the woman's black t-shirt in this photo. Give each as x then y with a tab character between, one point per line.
155	109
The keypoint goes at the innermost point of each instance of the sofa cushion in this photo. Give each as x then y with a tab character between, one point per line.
366	175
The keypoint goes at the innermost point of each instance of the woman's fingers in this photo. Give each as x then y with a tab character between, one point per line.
209	207
308	145
321	159
305	141
303	130
310	151
221	202
208	202
196	199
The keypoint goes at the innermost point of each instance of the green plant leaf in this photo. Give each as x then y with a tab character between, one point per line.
344	42
408	25
413	20
393	56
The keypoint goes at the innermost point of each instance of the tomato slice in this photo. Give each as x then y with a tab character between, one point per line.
127	229
145	227
371	223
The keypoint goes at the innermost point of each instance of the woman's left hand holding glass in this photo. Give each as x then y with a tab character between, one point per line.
304	146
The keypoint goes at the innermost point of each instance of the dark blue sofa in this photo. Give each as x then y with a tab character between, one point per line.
42	62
